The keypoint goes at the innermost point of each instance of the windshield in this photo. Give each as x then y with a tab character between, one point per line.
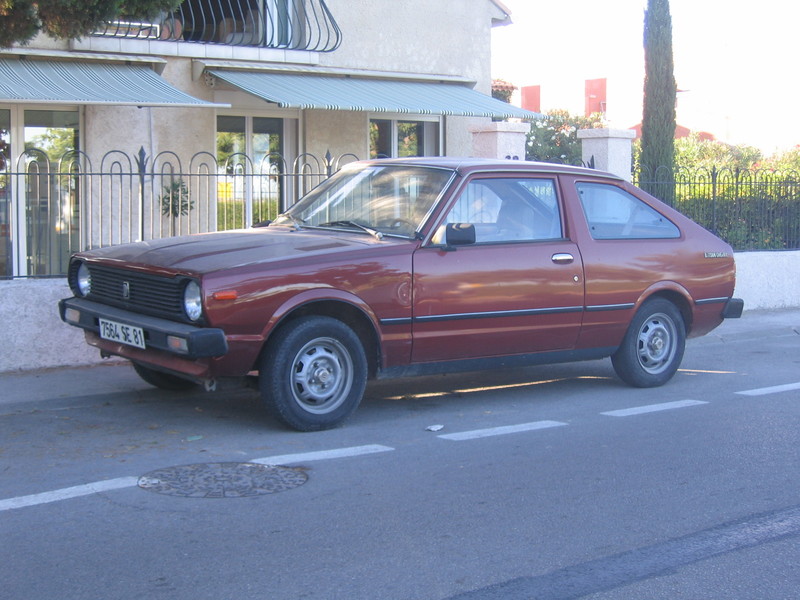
374	198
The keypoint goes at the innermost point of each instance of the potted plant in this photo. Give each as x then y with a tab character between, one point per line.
175	201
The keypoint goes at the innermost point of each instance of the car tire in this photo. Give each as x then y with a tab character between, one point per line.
164	381
313	373
653	346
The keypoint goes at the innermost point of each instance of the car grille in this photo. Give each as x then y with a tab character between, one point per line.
145	293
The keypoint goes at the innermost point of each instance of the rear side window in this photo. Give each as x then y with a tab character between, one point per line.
614	214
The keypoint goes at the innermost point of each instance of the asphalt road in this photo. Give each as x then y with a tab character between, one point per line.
543	483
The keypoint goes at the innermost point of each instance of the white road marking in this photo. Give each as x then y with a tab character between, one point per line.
771	390
285	459
638	410
492	431
70	492
124	482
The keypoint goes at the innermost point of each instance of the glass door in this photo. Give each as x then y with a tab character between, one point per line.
52	208
249	155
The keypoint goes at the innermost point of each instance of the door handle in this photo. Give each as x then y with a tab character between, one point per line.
563	258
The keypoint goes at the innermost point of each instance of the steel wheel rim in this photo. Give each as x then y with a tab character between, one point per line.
656	343
322	376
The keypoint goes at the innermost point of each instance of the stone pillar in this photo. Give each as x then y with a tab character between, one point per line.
609	148
500	139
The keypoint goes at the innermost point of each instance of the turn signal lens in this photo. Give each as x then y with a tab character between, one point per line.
178	344
225	295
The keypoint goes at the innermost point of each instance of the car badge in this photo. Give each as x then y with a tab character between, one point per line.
126	290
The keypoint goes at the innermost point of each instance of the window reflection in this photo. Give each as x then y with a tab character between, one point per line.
390	138
508	209
5	194
391	199
248	154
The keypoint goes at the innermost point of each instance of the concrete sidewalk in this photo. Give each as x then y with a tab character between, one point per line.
119	377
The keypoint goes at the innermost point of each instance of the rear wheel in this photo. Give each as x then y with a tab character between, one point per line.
313	374
653	346
165	381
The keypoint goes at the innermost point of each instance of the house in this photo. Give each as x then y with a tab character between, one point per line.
208	118
595	101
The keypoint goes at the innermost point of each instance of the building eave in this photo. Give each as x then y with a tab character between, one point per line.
504	14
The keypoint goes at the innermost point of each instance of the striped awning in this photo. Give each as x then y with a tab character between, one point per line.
329	92
95	82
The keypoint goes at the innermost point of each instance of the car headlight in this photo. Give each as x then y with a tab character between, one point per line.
192	301
84	280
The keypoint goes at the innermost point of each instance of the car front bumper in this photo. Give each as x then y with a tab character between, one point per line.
180	339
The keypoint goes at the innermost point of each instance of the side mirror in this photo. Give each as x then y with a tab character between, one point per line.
459	234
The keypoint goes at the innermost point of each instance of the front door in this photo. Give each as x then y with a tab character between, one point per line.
518	289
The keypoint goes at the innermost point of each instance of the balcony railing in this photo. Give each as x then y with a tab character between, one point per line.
287	24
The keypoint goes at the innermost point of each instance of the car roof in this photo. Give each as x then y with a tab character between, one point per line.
464	165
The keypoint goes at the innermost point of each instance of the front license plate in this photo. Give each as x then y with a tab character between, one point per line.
125	334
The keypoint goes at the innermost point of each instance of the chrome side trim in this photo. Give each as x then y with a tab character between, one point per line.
710	301
398	321
482	315
499	314
605	307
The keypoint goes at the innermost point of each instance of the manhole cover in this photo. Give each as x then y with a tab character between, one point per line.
222	480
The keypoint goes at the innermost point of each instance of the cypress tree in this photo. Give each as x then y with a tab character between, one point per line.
660	91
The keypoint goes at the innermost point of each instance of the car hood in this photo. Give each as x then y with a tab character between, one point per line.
209	252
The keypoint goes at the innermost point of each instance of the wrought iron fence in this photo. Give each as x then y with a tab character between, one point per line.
51	208
751	210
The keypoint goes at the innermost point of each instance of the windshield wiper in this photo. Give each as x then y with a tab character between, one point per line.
296	221
373	232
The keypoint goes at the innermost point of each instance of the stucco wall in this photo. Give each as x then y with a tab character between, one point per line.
340	132
768	279
157	129
377	36
446	37
32	335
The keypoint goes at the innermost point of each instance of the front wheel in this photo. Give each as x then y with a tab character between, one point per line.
652	349
313	374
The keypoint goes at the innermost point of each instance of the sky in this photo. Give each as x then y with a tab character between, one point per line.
736	62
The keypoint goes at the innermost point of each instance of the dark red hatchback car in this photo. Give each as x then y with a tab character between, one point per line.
415	266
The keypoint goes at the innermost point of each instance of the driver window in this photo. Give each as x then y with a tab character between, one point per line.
508	210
